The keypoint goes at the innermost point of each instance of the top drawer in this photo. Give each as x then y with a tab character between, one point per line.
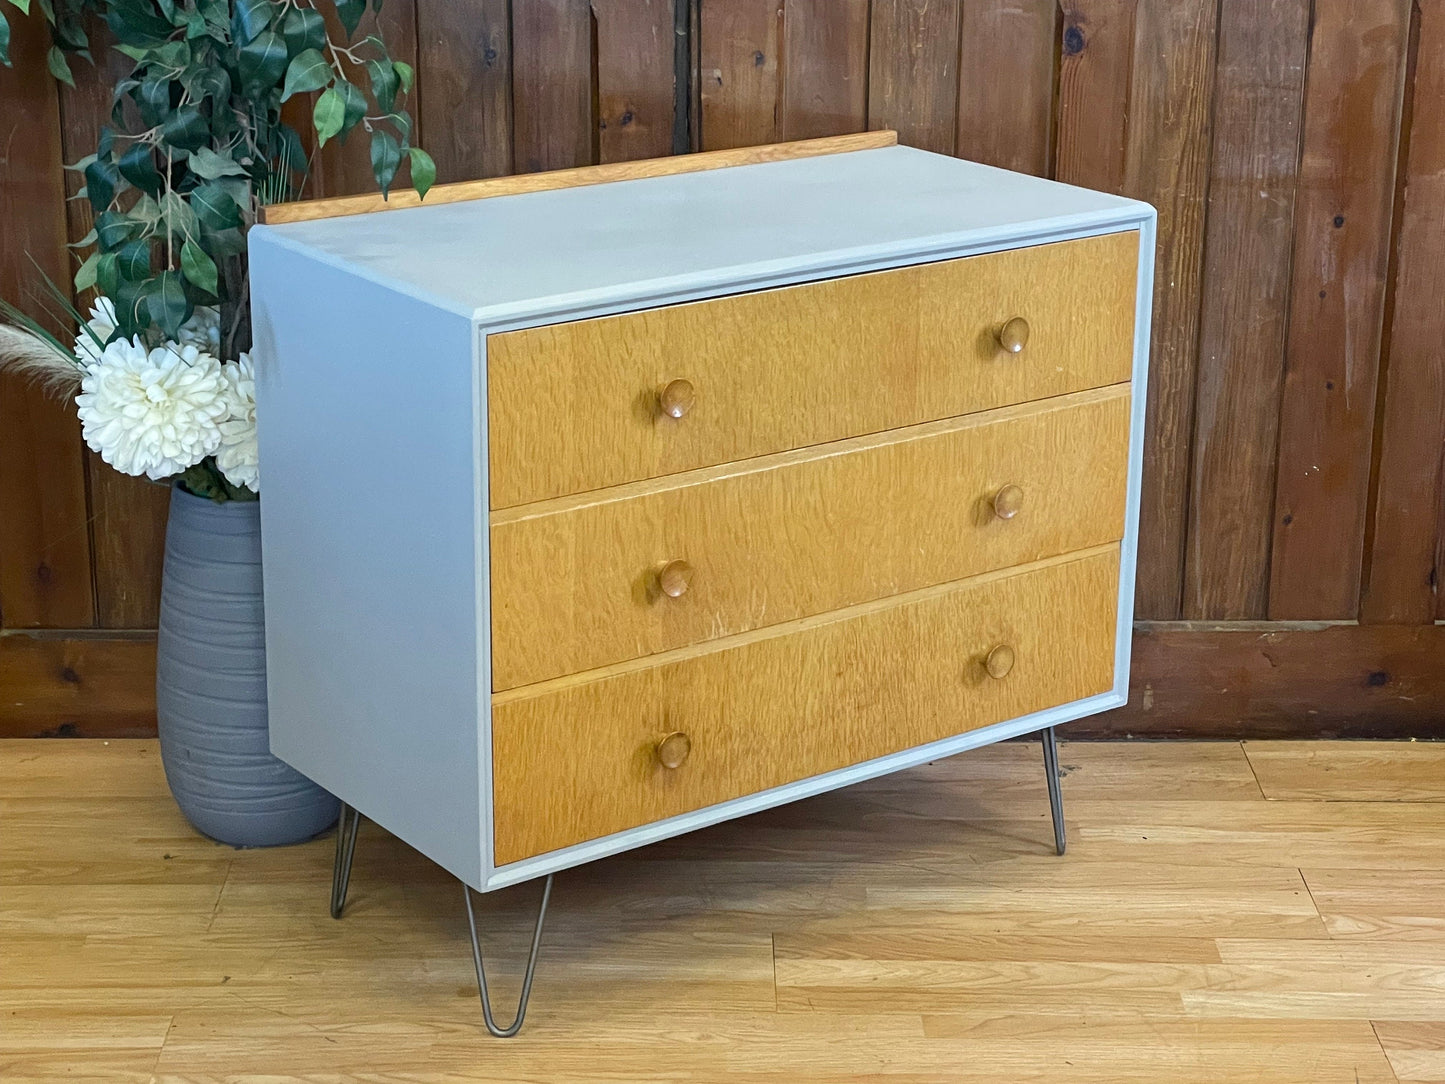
580	406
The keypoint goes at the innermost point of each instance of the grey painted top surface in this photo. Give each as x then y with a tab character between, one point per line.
496	258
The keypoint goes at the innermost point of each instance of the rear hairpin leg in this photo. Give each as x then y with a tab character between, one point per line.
516	1024
1056	794
346	826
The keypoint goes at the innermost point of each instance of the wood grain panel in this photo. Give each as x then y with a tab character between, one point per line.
1343	214
45	554
635	74
574	581
465	65
576	761
1008	55
127	515
739	47
1407	500
492	188
1267	680
913	71
825	68
552	118
68	686
1096	57
1170	108
1259	97
572	407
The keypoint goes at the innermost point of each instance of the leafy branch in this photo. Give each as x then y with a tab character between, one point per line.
196	142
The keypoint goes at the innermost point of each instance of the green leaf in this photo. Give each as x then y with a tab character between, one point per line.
173	54
308	72
262	60
249	18
211	81
223	243
107	274
133	260
166	303
84	242
114	228
350	13
186	128
179	216
153	99
85	273
355	106
208	165
327	115
405	73
215	207
23	5
383	83
5	41
303	28
56	62
385	157
423	171
199	269
102	181
138	166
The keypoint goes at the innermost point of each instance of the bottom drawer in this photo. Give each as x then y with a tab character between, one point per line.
582	757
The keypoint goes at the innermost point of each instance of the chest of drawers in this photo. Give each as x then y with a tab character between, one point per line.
597	513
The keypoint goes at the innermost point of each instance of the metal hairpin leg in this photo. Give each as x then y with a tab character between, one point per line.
516	1025
1056	794
346	826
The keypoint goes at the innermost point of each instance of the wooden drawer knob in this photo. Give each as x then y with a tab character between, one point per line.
674	577
1014	335
673	749
999	662
1008	502
676	398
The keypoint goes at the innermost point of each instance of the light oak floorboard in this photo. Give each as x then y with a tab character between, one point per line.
911	929
1350	771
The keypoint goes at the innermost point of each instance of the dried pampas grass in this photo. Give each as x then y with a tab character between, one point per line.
39	360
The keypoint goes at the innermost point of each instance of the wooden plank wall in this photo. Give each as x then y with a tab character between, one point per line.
1293	487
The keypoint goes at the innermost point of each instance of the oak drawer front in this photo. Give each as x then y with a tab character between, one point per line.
580	759
581	406
592	581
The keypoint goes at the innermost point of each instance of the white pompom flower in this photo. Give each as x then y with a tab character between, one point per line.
100	327
203	329
237	456
153	411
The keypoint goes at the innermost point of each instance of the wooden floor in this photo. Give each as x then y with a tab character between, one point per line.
1262	913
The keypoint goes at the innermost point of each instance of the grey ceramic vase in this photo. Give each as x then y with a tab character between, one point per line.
211	683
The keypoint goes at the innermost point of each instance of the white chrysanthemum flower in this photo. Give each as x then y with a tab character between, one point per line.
153	412
101	326
237	456
203	329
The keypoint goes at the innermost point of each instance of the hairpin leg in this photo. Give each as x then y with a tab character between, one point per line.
346	826
516	1025
1056	794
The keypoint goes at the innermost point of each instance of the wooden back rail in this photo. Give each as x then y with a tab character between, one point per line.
462	191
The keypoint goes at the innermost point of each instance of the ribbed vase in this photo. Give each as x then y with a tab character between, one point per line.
211	683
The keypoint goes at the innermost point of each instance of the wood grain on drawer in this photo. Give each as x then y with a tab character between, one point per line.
576	585
576	759
575	407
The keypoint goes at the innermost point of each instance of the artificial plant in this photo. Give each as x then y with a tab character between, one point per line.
196	144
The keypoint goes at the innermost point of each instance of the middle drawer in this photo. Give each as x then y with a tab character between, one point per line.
584	581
